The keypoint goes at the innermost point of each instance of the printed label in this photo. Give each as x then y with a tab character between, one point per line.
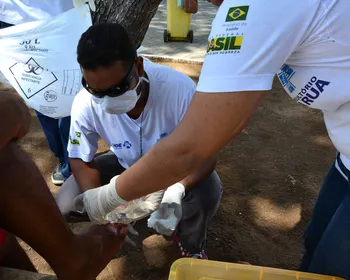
31	77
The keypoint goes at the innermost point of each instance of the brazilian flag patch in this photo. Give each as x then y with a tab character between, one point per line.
237	13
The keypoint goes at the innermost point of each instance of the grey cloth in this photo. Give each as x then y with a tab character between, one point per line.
108	167
198	206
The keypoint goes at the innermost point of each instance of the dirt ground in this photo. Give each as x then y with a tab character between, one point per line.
271	175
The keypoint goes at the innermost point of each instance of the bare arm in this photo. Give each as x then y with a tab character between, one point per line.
29	211
14	118
211	121
200	174
85	173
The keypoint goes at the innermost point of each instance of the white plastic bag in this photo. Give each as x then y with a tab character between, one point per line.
136	209
79	4
39	60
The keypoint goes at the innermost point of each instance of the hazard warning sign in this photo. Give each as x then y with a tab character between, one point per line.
31	77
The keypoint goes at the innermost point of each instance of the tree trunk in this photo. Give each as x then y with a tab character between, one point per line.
134	15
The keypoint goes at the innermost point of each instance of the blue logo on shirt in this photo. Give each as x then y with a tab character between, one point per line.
311	91
127	145
120	146
165	134
162	135
285	75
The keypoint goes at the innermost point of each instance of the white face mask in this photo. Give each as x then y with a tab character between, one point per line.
120	104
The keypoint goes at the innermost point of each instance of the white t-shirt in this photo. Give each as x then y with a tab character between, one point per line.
306	42
170	95
22	11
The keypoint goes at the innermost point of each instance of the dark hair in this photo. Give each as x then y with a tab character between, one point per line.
103	44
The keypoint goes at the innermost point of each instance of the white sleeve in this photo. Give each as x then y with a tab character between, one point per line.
83	139
250	40
187	92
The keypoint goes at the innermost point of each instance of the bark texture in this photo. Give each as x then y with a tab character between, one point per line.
134	15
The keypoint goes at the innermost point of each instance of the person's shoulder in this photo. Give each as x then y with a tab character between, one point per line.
83	97
82	103
167	79
165	73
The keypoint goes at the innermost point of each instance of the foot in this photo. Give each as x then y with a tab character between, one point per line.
186	254
98	246
57	176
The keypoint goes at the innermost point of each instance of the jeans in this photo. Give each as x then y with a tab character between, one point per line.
327	237
57	135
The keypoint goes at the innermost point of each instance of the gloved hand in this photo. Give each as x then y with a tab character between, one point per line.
168	215
136	209
99	202
104	205
79	4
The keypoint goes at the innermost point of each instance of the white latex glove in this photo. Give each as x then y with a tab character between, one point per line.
80	4
136	209
99	202
168	215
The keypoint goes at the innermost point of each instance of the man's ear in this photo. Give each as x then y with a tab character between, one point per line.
139	66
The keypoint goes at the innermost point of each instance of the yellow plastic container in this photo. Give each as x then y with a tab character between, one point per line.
179	23
193	269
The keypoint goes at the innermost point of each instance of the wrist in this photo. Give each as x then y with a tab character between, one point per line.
107	199
179	186
124	191
174	193
113	194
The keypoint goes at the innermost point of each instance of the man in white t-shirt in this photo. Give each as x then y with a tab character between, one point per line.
307	44
132	103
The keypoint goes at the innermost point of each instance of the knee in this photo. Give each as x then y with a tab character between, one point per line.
65	196
63	204
213	189
207	194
